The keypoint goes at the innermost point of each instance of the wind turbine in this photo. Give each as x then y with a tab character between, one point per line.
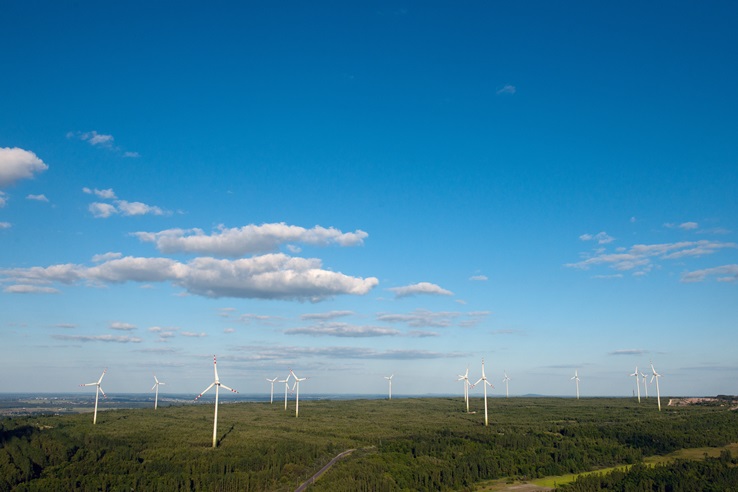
467	385
98	390
645	386
656	376
638	385
576	378
286	382
505	380
297	394
271	398
389	380
217	385
484	378
156	386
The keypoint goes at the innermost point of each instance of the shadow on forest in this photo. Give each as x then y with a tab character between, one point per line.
220	441
24	431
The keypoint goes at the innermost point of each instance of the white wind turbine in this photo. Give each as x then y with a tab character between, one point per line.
217	385
297	394
271	398
467	385
576	378
98	390
389	380
484	378
656	376
645	386
638	385
286	382
505	380
156	387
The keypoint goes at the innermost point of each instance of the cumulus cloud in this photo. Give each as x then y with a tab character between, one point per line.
98	338
250	239
107	194
336	329
117	325
426	288
686	226
106	257
600	237
29	289
724	273
103	210
273	276
17	164
93	138
38	198
641	257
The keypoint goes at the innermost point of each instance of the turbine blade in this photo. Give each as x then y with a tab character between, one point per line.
215	368
102	376
480	380
153	387
206	390
101	391
226	387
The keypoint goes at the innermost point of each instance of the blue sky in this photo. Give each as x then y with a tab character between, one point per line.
354	191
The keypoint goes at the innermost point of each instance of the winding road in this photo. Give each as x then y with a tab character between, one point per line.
312	479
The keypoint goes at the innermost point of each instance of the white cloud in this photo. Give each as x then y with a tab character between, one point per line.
229	330
29	289
250	239
507	89
273	276
131	154
192	334
108	194
102	210
688	226
17	164
641	256
421	318
117	325
65	325
281	353
326	315
5	225
106	257
137	208
724	273
479	278
38	198
3	200
343	330
420	288
600	237
98	338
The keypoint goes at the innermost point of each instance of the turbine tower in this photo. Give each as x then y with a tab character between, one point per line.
297	394
217	385
98	390
645	386
271	397
576	378
638	385
389	380
484	378
505	380
286	382
156	387
467	385
656	376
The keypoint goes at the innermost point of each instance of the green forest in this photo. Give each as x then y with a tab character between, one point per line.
401	444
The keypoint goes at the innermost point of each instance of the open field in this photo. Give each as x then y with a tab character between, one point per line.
412	444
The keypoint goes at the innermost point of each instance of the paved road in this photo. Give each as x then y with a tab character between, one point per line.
312	479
